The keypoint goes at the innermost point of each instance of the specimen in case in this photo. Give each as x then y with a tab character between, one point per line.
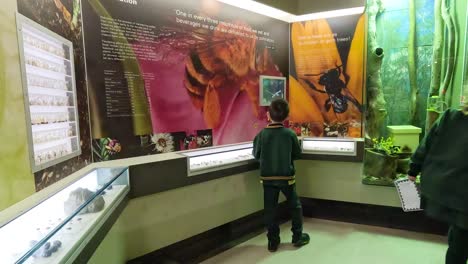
80	196
47	249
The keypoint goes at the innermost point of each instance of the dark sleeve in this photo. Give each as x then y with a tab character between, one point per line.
417	159
296	148
257	146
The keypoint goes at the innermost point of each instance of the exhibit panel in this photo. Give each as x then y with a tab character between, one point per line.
178	75
50	94
326	76
58	228
218	158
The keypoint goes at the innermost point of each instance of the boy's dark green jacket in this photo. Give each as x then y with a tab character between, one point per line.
442	159
276	147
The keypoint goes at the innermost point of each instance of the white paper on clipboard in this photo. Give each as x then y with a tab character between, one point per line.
409	195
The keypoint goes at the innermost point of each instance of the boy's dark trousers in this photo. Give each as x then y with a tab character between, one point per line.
270	200
457	252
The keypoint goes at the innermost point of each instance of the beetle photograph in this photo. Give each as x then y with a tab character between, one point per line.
326	77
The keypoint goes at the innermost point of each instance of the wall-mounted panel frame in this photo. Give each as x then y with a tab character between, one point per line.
48	77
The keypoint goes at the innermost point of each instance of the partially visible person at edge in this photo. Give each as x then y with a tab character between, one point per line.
442	160
276	148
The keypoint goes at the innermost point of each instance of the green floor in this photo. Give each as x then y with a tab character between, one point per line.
336	242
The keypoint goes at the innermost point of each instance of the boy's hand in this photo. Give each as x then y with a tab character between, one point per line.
412	178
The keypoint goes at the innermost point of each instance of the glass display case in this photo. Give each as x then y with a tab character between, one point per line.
330	146
50	95
217	158
54	230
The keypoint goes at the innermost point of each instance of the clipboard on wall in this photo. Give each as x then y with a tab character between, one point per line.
409	194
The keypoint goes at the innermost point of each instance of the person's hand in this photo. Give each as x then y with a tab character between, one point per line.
412	178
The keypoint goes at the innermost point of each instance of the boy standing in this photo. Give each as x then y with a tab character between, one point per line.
276	148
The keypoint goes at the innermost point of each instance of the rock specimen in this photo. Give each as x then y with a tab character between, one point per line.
47	249
80	196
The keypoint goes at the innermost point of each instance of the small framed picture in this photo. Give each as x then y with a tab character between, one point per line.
271	87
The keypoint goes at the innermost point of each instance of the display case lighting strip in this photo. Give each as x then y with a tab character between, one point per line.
272	12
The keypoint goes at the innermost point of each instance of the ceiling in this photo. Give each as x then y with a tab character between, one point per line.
302	7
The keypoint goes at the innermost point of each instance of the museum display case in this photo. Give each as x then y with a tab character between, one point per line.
218	158
50	95
428	62
56	229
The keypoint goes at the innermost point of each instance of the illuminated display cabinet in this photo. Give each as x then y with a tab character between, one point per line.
50	95
330	146
218	158
56	229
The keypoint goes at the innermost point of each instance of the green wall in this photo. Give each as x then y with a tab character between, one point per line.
460	11
16	179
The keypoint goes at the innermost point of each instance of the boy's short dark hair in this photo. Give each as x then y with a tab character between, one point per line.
279	110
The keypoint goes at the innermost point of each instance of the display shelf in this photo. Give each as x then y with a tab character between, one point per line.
52	136
40	42
45	72
34	51
54	142
44	118
47	61
49	109
52	126
50	94
52	231
218	158
48	90
37	83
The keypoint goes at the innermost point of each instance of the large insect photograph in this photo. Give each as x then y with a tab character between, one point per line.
326	78
219	73
200	64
